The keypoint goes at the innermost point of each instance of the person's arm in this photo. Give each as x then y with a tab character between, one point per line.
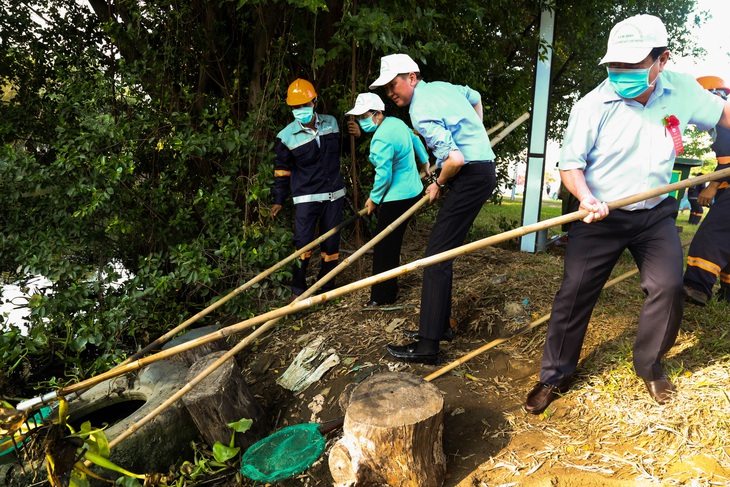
575	181
451	166
421	155
479	109
708	194
381	156
725	117
282	175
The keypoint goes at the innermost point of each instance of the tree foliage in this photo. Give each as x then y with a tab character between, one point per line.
137	136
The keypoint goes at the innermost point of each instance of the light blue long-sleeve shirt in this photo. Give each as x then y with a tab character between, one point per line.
392	154
623	146
444	115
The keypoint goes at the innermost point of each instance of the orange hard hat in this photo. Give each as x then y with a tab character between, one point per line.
300	92
713	83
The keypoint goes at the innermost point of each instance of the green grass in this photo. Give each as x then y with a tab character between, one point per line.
506	216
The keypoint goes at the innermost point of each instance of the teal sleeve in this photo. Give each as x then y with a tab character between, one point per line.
421	154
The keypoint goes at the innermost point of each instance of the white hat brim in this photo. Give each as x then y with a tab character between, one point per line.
383	79
626	55
358	111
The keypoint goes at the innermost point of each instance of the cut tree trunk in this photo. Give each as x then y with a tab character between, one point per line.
221	398
392	434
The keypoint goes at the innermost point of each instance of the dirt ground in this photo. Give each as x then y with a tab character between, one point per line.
488	439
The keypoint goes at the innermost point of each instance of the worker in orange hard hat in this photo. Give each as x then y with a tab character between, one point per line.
308	165
709	255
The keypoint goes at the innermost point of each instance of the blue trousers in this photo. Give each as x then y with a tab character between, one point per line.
709	253
328	214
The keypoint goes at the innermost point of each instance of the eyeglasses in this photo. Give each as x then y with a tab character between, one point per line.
365	115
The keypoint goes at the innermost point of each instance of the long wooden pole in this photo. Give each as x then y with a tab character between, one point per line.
247	340
519	331
182	326
368	281
353	159
510	128
491	130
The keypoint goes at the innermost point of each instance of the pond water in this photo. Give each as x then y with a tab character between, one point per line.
13	301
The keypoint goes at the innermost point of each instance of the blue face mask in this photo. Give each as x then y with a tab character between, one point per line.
304	114
629	83
367	124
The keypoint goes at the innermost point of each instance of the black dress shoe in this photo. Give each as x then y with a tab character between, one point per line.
407	353
661	390
446	337
541	396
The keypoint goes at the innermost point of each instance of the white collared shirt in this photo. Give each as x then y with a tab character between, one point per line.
623	146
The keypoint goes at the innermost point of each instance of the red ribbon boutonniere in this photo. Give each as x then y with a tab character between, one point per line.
671	125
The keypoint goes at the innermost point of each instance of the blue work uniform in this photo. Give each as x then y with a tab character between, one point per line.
308	164
708	257
444	115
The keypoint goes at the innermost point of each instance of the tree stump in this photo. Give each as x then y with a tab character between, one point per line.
221	398
189	357
392	435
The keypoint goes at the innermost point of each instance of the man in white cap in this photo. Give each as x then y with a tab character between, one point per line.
622	139
449	117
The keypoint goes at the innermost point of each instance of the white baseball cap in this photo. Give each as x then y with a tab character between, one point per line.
632	39
391	66
365	102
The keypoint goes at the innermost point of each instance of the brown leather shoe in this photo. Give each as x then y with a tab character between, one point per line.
541	396
661	390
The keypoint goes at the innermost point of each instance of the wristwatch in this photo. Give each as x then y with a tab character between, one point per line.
441	186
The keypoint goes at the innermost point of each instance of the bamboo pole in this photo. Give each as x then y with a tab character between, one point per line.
495	128
510	128
182	326
363	283
247	340
519	331
353	159
78	390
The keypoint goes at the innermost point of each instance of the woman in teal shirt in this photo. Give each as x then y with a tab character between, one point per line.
397	185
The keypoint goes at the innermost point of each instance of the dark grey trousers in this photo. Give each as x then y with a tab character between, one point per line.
593	250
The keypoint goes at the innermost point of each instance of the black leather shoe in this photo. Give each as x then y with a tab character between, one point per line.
446	337
541	396
407	353
661	390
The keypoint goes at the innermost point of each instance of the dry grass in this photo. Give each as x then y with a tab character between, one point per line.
608	427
